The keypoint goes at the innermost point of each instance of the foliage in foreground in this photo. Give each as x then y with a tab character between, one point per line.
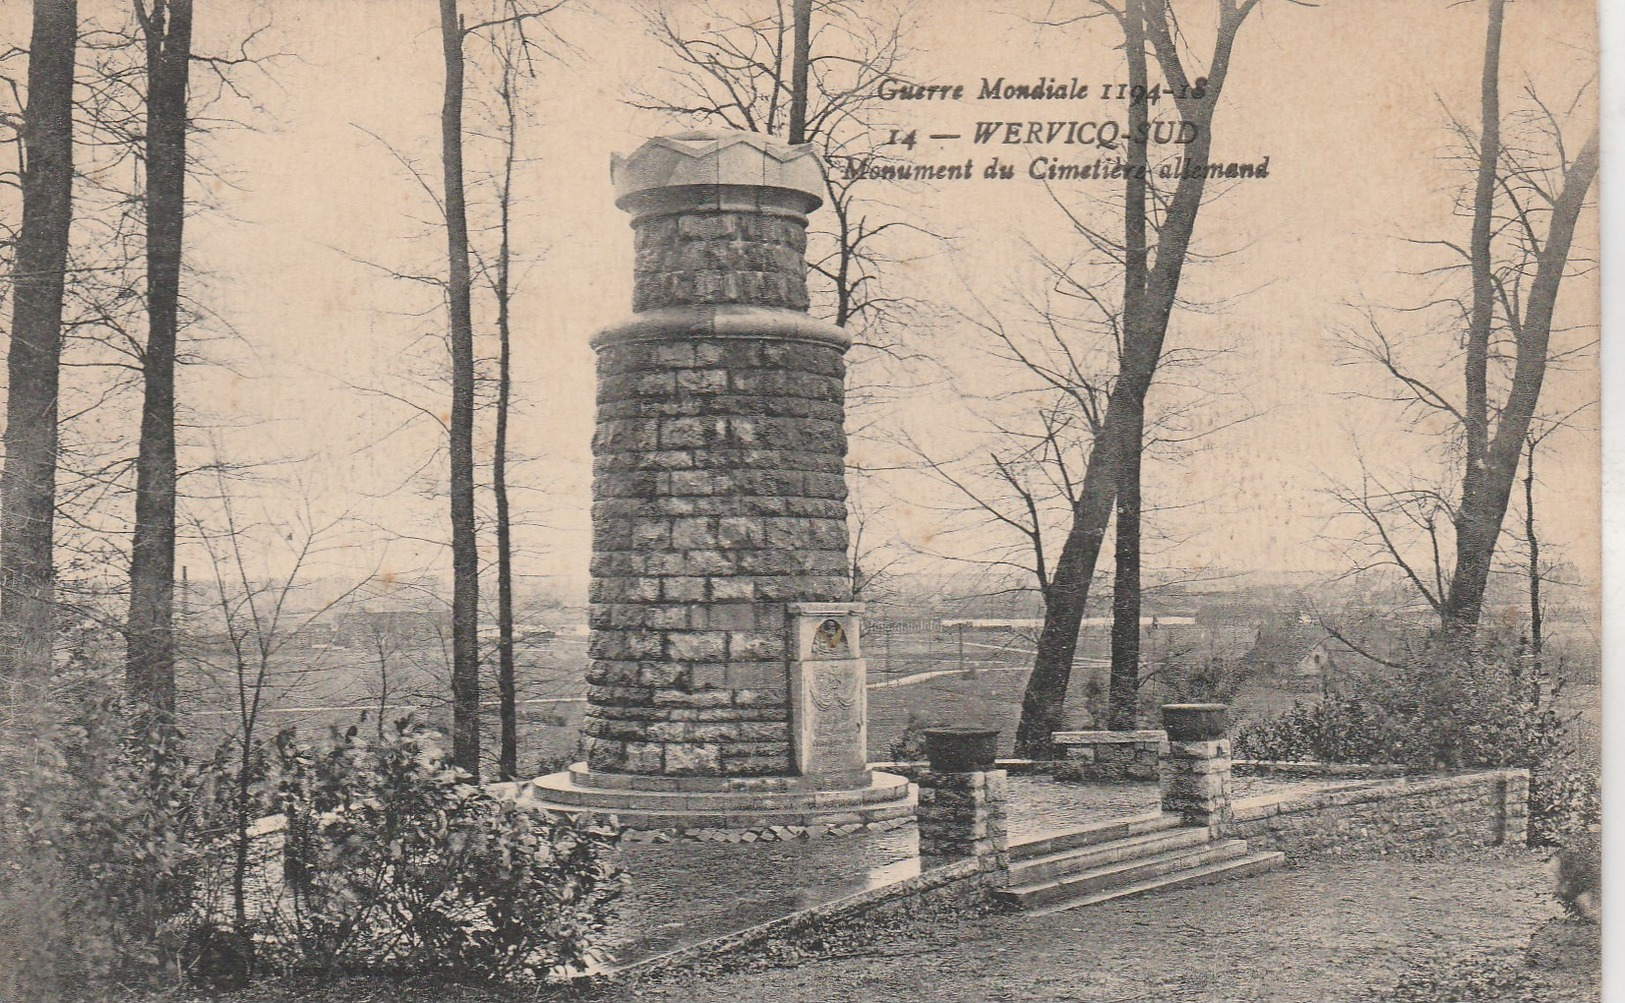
1446	706
118	860
1579	875
393	862
103	844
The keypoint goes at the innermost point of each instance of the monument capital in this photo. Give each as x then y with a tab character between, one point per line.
716	163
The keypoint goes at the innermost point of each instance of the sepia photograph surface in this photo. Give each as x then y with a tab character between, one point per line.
804	500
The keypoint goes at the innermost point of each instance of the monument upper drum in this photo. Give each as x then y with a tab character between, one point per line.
726	681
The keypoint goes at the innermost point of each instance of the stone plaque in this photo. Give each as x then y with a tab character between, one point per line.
829	701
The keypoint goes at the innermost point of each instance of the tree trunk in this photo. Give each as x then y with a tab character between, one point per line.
465	568
508	758
1043	703
1485	496
800	63
150	664
28	483
1534	549
1124	688
1492	463
1470	543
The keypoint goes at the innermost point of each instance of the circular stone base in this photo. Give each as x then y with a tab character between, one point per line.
743	809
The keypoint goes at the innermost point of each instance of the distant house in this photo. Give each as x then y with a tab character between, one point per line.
1318	662
1289	648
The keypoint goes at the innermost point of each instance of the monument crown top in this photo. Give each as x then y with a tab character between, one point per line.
718	157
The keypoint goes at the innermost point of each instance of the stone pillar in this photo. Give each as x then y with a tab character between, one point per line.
1196	774
719	511
962	801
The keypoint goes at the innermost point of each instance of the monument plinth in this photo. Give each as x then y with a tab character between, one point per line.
726	685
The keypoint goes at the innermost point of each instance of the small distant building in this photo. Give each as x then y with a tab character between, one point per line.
1318	662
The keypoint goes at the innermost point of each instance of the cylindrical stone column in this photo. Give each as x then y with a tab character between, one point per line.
719	457
1196	774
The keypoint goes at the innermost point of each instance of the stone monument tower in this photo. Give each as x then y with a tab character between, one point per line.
726	678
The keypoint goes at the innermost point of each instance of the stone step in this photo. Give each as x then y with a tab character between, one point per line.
1122	872
581	776
637	817
1051	866
718	801
1236	867
1095	832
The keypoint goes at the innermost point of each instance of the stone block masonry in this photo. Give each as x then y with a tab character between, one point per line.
720	499
1412	815
719	465
1111	755
725	674
720	257
964	815
1196	769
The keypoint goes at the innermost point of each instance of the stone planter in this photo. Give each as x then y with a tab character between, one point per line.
1195	722
961	749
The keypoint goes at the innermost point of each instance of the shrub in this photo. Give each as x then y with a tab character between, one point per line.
1579	874
1444	706
910	745
395	863
1565	799
117	860
1180	678
103	838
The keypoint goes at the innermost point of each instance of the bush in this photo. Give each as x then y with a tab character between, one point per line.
910	745
103	838
394	863
1579	874
1445	706
1565	799
117	862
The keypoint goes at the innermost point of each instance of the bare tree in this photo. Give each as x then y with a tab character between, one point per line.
257	618
1525	290
150	669
508	761
465	563
1525	204
1053	358
1125	672
454	32
28	484
1144	331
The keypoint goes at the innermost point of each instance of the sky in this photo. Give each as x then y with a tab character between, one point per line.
1349	100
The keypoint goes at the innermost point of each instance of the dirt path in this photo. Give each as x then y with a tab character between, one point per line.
1328	931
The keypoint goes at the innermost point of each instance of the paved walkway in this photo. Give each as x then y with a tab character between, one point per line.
1323	932
683	893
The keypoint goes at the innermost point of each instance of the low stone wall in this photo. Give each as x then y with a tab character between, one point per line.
1377	817
849	824
912	769
1310	769
1111	755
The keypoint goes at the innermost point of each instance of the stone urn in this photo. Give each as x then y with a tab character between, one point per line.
1195	722
961	749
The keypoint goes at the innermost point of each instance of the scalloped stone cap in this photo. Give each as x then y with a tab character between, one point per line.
718	157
